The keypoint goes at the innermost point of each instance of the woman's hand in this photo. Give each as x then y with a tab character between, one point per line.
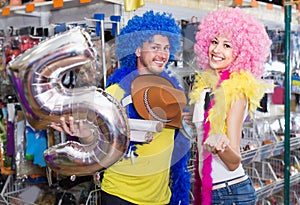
216	143
72	128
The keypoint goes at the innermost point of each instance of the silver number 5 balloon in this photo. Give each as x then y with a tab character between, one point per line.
38	75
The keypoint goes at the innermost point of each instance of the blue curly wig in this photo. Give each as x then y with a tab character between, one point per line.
141	29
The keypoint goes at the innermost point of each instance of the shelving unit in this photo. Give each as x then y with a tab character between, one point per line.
53	5
41	6
264	163
14	190
46	15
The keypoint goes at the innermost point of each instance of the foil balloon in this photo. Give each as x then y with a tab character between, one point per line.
39	74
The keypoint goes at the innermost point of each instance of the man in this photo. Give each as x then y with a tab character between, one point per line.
144	47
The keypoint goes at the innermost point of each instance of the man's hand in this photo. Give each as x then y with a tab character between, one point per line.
72	128
188	117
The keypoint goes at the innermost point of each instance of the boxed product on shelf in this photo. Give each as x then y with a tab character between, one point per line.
249	144
277	164
254	175
296	193
266	136
263	177
278	199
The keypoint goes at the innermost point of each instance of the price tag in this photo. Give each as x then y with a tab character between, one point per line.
238	2
29	7
270	6
5	11
58	3
85	1
254	3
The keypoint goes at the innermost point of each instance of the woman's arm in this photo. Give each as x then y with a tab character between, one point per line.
228	146
231	155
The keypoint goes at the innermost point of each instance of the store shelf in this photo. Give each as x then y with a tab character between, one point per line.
265	138
21	192
263	158
263	178
267	151
48	6
295	179
267	176
43	5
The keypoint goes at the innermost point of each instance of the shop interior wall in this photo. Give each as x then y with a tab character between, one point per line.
187	8
180	9
44	17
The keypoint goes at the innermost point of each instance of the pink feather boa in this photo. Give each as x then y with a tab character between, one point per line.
203	188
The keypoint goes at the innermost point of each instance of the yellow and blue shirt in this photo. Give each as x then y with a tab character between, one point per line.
147	178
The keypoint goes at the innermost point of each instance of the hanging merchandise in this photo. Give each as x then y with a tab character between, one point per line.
10	128
3	3
189	30
296	83
37	75
7	139
133	5
295	51
18	42
277	47
27	168
104	42
36	144
60	28
13	3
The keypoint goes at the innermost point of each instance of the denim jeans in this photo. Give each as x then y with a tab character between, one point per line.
242	193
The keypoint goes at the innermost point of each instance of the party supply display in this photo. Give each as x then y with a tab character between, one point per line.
57	78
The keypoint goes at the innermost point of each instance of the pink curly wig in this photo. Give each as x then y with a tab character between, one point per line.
248	35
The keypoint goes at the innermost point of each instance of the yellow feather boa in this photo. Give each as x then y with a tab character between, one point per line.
236	87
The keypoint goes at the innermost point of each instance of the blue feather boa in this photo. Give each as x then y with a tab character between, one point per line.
180	175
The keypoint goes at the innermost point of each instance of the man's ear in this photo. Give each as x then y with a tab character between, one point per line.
138	51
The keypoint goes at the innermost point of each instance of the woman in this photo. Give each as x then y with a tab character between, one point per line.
231	48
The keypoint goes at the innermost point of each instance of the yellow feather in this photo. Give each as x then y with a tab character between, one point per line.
239	85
